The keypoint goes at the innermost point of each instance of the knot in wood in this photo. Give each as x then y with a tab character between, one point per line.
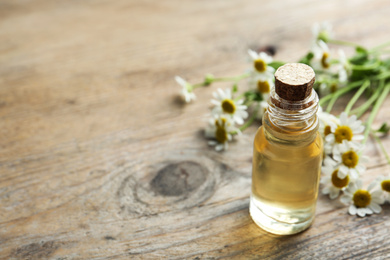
178	179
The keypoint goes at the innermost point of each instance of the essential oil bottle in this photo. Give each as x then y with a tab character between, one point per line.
287	154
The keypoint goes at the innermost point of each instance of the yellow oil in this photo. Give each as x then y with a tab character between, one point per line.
285	179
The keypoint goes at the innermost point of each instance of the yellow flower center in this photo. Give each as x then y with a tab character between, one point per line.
343	132
327	130
324	60
339	183
260	65
221	135
333	87
263	86
386	185
350	159
228	106
222	124
361	198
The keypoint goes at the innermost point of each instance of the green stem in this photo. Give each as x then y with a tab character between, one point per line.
363	108
378	140
197	85
356	96
375	111
345	43
341	91
237	78
239	96
381	45
248	102
367	67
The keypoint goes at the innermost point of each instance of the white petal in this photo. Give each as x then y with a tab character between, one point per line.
360	168
376	194
333	126
219	147
238	120
242	113
326	190
352	120
253	54
336	155
343	171
343	118
221	94
212	143
371	186
334	193
364	159
354	174
358	129
327	170
329	162
357	138
361	212
329	138
345	199
226	145
358	184
378	200
368	211
180	81
215	102
352	210
375	207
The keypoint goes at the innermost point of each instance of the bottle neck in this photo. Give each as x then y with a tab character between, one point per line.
292	120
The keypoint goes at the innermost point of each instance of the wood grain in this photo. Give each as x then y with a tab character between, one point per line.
100	160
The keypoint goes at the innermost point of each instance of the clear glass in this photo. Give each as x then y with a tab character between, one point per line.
287	159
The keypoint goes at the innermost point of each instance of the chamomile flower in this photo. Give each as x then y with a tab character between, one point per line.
224	104
331	86
362	202
264	86
187	89
349	129
322	31
384	183
221	129
325	118
343	68
260	65
263	106
331	181
321	59
349	161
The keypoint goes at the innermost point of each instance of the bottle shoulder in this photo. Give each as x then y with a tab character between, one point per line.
266	143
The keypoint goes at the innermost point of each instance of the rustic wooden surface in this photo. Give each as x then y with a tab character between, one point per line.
100	160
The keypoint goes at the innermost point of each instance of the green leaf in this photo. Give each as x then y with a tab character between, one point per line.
253	96
276	64
362	50
385	128
258	96
234	88
306	60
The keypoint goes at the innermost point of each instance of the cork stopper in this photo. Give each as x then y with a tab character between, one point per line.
294	81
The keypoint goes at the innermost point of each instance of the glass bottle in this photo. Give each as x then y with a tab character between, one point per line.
287	154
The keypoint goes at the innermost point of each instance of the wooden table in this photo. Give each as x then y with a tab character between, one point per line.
100	160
